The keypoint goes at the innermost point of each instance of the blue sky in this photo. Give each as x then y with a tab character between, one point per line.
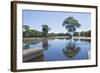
35	19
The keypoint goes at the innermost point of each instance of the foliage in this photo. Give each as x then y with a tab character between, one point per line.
76	34
86	33
71	24
26	29
58	34
45	30
27	32
30	32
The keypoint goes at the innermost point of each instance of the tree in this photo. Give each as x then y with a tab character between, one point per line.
71	24
82	33
76	34
89	33
26	29
86	33
45	30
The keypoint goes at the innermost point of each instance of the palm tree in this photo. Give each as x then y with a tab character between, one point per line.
71	24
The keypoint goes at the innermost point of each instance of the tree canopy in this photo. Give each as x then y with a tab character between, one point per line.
71	24
45	30
26	27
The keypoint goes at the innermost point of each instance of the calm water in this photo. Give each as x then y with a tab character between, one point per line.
61	49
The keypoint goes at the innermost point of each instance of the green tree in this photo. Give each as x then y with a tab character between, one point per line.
76	34
45	30
71	24
26	29
82	33
86	33
89	33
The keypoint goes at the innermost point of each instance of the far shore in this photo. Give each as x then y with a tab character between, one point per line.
56	37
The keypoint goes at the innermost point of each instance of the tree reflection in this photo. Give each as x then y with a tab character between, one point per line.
76	39
71	50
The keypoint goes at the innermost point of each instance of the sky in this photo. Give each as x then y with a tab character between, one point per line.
54	19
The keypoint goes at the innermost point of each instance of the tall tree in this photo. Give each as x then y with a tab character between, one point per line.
45	30
71	24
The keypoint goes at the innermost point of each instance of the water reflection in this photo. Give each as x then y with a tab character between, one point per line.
74	49
76	39
71	50
36	54
86	40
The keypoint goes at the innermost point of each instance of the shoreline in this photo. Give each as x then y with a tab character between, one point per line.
56	37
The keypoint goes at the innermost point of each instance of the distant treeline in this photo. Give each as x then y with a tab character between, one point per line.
36	33
32	33
83	33
69	23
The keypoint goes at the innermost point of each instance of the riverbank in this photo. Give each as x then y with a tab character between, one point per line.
55	37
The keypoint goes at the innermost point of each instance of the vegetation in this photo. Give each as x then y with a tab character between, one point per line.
86	33
58	34
71	24
45	30
76	34
27	32
83	33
